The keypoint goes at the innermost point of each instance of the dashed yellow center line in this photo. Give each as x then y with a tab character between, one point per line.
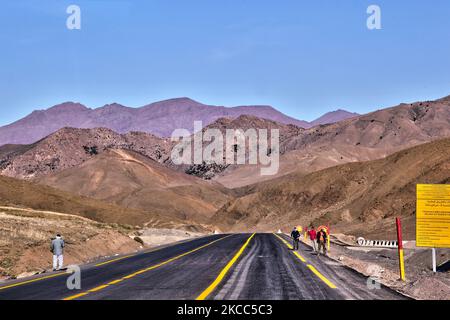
285	242
321	277
224	271
299	256
143	270
311	267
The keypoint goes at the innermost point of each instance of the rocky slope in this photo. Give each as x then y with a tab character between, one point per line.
70	147
242	123
131	180
356	198
26	194
362	138
388	129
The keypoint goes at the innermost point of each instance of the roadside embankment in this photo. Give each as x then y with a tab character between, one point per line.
25	236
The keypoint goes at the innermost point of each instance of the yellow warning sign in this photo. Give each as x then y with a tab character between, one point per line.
433	216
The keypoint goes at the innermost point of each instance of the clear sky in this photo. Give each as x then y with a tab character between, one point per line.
304	57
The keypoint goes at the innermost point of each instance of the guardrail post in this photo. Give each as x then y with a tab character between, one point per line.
433	258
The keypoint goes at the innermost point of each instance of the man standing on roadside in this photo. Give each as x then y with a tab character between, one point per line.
57	248
295	235
312	236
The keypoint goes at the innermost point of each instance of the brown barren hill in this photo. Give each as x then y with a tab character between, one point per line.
131	180
25	194
388	129
70	147
356	198
25	237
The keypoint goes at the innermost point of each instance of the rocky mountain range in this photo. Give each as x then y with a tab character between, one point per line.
356	171
367	137
360	198
159	118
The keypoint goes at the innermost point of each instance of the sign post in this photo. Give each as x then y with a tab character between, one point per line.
328	238
433	217
400	249
304	235
433	258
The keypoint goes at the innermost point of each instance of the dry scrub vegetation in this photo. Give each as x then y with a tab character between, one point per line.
25	237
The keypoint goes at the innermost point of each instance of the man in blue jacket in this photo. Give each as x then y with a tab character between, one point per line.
295	235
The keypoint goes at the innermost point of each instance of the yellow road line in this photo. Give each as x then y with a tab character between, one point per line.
311	267
32	280
98	288
143	270
115	281
113	260
79	295
290	247
317	273
287	243
64	273
299	256
224	271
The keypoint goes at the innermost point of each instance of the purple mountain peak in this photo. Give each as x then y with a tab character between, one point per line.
68	106
158	118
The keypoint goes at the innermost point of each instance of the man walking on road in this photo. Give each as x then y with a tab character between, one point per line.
295	235
322	241
312	236
57	248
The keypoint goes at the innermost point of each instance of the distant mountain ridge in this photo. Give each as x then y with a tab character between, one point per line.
367	137
159	118
333	116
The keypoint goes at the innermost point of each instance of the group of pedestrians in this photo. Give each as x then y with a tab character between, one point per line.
318	239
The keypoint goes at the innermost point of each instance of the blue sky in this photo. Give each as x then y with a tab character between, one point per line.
303	57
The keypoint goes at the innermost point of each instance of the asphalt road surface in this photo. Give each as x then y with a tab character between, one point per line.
236	266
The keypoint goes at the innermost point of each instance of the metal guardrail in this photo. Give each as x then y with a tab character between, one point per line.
377	243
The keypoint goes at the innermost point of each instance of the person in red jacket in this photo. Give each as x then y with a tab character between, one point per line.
312	236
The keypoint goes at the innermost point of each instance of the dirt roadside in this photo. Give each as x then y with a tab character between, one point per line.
25	239
382	264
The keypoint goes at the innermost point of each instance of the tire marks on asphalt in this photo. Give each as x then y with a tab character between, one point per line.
269	271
